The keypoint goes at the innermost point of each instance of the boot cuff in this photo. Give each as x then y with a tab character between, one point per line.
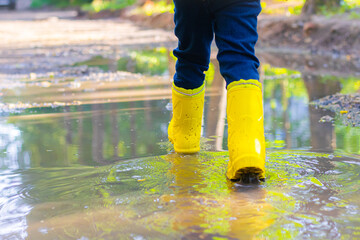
189	92
245	84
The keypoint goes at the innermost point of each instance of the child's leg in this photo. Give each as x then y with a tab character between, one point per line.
194	29
236	35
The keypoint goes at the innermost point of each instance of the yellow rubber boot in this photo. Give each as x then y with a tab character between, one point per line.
185	127
246	140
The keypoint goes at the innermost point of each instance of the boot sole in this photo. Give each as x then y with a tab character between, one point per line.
249	175
187	151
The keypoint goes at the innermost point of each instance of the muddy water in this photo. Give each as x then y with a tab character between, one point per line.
87	157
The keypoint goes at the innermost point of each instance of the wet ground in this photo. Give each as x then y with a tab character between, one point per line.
84	151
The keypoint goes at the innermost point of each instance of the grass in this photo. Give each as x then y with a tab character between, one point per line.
294	7
279	7
58	3
346	7
100	5
354	15
151	8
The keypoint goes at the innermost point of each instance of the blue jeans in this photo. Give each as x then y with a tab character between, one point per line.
234	23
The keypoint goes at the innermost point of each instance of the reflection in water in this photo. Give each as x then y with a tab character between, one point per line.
94	135
187	197
13	208
207	206
316	205
322	134
99	169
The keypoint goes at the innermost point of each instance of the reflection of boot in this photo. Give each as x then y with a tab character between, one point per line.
203	204
249	213
185	127
246	139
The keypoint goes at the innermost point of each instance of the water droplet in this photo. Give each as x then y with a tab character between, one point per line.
169	106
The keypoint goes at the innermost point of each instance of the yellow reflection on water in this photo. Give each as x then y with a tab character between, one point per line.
208	204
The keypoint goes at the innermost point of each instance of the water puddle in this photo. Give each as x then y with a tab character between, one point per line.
86	156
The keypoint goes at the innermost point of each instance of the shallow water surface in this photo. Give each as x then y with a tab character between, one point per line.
87	157
306	195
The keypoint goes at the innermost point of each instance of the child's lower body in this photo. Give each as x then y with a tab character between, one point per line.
234	24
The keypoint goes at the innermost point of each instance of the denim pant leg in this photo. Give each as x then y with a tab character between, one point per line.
236	36
194	30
